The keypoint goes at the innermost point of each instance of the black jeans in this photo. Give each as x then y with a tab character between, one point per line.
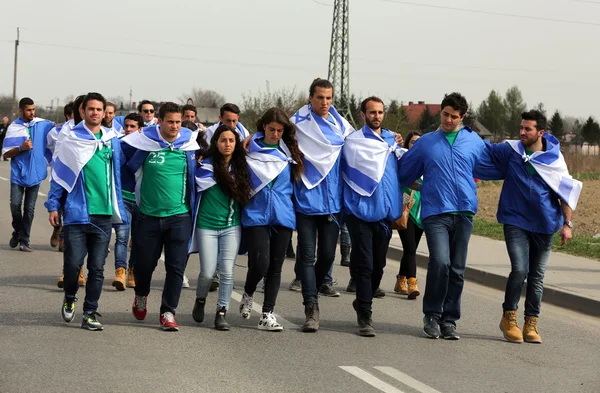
149	237
22	218
370	241
325	230
267	247
410	237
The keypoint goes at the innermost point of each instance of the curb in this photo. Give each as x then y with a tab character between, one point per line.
552	295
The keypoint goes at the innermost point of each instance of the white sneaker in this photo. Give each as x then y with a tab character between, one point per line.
268	322
246	306
186	282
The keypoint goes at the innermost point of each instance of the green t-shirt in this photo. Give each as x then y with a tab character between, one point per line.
217	210
128	196
530	167
97	174
451	136
275	146
163	191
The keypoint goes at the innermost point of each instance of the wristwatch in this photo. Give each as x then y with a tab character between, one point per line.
569	224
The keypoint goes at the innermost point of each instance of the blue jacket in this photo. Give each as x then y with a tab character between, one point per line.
74	203
29	168
526	201
385	204
324	199
127	175
273	204
448	184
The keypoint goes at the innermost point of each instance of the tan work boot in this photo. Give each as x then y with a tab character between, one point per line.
54	239
120	277
530	331
61	281
81	279
400	286
510	327
130	278
413	288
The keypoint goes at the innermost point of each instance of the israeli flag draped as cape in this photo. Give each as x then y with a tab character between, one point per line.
17	133
320	141
150	140
551	166
74	148
365	156
266	163
205	179
52	137
241	130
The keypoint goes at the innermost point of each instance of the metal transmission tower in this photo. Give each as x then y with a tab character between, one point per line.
339	58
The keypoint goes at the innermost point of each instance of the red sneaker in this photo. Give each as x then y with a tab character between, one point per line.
167	321
139	307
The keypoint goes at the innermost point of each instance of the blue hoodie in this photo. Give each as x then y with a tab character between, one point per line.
448	184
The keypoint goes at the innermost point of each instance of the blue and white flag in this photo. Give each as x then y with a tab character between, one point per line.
17	133
241	130
320	141
52	137
266	163
365	158
74	148
205	176
150	140
552	168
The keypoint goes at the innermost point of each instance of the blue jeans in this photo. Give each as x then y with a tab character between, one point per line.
448	240
311	229
22	218
150	235
122	236
528	252
92	240
217	248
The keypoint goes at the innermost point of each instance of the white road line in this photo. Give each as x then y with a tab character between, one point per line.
407	380
287	324
41	194
371	379
3	178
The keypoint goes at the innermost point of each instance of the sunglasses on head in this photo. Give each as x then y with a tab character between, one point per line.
148	110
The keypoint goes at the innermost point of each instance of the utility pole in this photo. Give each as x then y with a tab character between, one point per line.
339	58
15	76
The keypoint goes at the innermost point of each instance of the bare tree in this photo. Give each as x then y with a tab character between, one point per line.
254	105
204	98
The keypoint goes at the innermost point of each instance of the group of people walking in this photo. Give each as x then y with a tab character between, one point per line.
223	191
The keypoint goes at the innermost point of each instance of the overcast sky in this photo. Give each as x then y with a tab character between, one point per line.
407	52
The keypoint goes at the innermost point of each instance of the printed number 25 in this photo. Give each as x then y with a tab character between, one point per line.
157	158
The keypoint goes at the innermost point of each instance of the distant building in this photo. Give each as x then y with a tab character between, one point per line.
483	132
415	111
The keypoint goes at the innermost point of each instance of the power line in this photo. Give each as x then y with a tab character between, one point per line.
493	13
326	5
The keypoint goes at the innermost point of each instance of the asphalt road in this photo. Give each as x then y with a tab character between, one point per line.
41	353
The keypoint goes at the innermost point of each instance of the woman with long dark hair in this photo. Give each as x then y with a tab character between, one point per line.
224	184
406	280
275	161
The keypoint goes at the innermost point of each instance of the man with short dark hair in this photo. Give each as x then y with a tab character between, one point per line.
86	184
109	117
229	114
189	112
3	128
445	159
146	110
163	158
26	144
537	200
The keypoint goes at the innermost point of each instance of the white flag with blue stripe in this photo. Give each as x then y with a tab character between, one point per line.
266	163
365	156
150	140
321	142
241	130
552	168
17	133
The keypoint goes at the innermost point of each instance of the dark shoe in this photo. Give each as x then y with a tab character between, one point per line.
54	239
290	251
25	248
312	318
68	309
214	285
296	285
365	324
431	327
345	250
90	321
198	311
14	241
351	286
379	293
61	246
220	322
327	290
449	332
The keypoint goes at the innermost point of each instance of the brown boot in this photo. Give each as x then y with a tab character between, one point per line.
120	278
55	238
130	278
312	318
61	281
510	327
413	288
81	279
400	286
530	330
61	245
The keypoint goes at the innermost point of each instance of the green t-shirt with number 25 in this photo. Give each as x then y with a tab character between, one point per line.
164	183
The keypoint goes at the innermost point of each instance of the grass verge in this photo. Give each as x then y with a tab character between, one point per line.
580	245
